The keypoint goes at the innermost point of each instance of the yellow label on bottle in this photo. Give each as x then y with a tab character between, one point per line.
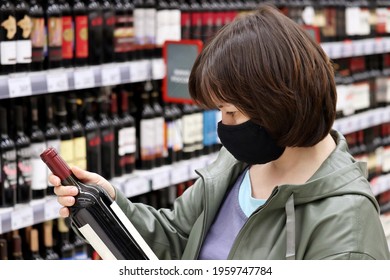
67	151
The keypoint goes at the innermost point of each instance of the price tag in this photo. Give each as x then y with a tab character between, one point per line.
358	47
161	179
139	71
347	49
22	217
57	81
135	186
19	86
111	76
158	69
327	48
336	49
180	173
52	208
84	78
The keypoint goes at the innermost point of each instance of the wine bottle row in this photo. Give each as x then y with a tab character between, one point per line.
110	131
55	240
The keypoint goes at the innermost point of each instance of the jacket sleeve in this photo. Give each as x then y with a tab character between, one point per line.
166	231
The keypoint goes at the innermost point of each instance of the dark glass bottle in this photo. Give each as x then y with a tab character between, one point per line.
150	28
67	33
98	218
23	156
185	20
8	183
66	135
79	140
139	28
129	27
127	135
34	245
95	32
158	127
54	35
117	125
196	20
198	129
7	37
23	36
3	249
17	253
38	145
92	134
169	130
37	16
80	19
65	247
52	135
108	30
120	44
189	135
178	131
146	158
49	252
107	138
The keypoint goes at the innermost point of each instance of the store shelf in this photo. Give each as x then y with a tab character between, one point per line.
351	48
67	79
137	183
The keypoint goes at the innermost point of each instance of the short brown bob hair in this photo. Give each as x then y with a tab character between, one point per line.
270	68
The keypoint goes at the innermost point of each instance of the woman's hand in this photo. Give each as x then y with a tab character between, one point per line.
66	194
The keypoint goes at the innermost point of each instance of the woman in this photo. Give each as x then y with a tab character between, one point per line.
284	185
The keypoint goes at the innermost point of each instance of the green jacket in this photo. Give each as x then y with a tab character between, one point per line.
332	216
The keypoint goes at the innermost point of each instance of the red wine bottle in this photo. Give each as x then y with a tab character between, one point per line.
98	218
23	157
117	125
38	145
54	35
17	253
34	245
3	249
120	36
158	126
67	33
92	134
66	135
108	30
49	252
23	36
8	182
80	19
65	247
95	32
37	16
7	37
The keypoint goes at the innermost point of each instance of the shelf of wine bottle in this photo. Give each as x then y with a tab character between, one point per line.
68	79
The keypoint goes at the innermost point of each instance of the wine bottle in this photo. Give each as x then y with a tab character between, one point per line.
80	19
67	33
92	133
158	127
65	247
79	140
198	130
66	136
120	36
127	135
7	37
98	218
34	245
108	30
189	131
3	249
8	183
17	253
139	28
54	35
196	20
95	32
117	125
37	16
49	253
177	132
174	24
38	145
23	36
185	20
52	135
107	138
23	157
169	130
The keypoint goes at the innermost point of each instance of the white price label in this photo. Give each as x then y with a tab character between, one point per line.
22	217
139	71
136	186
111	76
158	69
84	78
161	179
52	208
57	82
180	173
19	86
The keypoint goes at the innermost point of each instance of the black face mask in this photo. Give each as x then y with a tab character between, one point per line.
249	142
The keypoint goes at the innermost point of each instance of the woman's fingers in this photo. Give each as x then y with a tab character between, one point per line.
64	212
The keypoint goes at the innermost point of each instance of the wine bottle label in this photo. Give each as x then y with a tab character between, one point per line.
361	95
80	152
147	142
37	39
67	37
139	26
23	51
185	25
81	23
8	52
178	135
174	28
198	123
386	159
124	34
55	38
162	25
24	166
9	172
189	133
159	135
38	178
67	151
150	26
10	26
381	19
126	141
133	231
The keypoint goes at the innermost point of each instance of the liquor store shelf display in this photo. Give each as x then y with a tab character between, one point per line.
137	183
68	79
